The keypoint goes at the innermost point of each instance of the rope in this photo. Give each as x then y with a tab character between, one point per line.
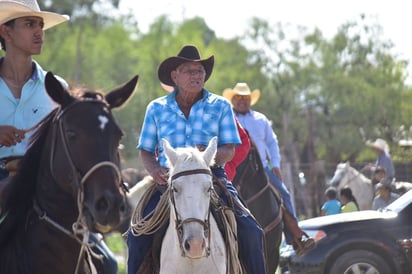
146	225
80	226
230	230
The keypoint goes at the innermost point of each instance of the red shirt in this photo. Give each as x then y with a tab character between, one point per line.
241	152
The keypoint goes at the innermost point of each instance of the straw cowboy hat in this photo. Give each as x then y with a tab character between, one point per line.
379	144
12	9
244	90
187	54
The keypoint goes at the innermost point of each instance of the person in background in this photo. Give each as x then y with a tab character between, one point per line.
384	159
378	175
385	195
261	133
191	116
331	205
347	200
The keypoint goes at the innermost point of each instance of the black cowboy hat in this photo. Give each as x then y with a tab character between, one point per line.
187	54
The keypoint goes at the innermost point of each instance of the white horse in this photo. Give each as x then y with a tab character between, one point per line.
361	186
193	242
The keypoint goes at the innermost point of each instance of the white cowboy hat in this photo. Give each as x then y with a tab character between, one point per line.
244	90
12	9
379	144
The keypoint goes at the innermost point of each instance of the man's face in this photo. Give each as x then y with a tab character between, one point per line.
189	77
379	175
241	103
25	35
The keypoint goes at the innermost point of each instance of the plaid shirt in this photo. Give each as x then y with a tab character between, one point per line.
210	116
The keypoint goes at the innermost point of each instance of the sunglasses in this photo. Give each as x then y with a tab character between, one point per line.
242	97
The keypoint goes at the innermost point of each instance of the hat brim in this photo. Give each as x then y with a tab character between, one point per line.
374	145
13	10
254	95
171	63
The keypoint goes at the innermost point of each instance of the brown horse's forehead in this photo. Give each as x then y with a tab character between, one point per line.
91	116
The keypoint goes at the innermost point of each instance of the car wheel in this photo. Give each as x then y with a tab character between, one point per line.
359	261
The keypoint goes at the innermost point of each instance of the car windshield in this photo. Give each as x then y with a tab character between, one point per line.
400	203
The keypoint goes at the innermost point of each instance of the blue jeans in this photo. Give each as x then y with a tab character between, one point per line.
3	174
287	200
250	237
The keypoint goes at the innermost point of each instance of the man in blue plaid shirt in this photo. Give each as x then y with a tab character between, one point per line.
191	116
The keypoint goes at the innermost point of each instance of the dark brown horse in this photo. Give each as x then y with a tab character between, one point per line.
67	186
265	204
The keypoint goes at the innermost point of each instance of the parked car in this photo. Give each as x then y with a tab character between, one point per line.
357	242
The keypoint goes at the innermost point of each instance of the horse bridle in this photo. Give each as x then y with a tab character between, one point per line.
252	163
179	222
80	231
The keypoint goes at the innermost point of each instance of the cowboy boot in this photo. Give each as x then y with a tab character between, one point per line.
302	243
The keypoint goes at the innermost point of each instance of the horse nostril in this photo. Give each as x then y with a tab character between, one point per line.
102	204
187	245
123	207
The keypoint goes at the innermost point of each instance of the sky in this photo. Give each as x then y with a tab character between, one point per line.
229	18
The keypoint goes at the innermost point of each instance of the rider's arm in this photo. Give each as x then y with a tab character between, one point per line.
224	153
150	163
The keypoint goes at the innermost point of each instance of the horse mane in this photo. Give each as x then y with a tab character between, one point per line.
23	185
360	174
85	93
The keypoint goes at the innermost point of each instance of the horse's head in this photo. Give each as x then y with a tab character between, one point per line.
190	191
83	157
344	174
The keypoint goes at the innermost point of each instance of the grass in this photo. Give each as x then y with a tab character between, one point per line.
118	246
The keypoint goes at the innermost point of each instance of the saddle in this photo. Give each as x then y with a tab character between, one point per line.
11	166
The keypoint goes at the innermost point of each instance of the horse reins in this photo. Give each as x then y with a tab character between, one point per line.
79	227
179	222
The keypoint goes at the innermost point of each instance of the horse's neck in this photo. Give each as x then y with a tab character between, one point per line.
53	201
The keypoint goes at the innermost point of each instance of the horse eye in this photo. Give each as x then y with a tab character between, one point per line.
174	189
70	134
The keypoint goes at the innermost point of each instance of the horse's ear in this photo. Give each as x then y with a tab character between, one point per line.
210	152
119	96
56	90
170	152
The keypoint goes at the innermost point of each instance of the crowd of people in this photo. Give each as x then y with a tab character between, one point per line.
382	173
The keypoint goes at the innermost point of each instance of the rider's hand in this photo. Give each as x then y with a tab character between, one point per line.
277	172
160	175
10	136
